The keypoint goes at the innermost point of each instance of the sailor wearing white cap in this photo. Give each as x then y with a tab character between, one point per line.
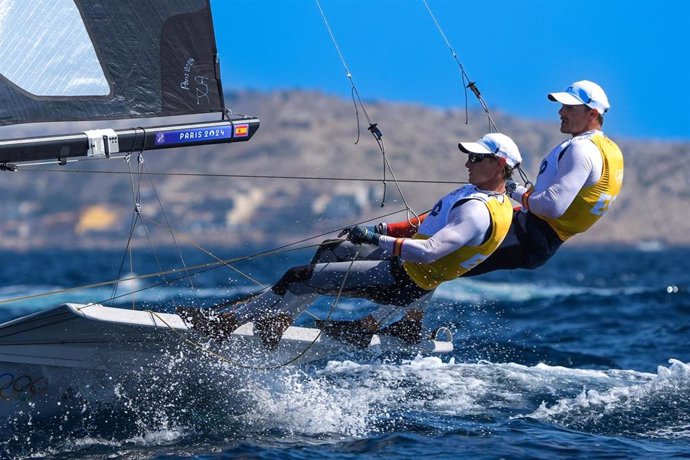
583	92
397	265
577	183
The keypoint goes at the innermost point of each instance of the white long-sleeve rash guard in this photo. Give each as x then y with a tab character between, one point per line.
559	182
467	224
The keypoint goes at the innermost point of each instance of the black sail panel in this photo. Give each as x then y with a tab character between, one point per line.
194	85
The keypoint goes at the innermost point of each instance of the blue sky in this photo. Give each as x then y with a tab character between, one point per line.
516	51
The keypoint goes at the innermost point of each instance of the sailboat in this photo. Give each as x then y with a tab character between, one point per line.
147	60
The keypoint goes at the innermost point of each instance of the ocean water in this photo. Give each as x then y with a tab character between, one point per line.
585	357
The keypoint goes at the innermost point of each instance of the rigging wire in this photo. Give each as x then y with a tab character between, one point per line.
128	253
208	253
196	269
140	219
373	127
136	195
466	82
172	235
244	176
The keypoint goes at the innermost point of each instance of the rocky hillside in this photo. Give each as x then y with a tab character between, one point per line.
309	134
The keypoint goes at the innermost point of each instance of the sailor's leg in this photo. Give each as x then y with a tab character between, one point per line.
385	313
353	277
511	252
273	302
409	327
543	242
272	313
274	310
529	244
300	285
359	332
400	298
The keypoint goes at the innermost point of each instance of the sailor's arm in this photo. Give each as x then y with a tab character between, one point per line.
403	229
575	170
467	225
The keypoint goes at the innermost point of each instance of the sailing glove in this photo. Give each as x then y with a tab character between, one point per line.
360	234
515	191
511	186
378	228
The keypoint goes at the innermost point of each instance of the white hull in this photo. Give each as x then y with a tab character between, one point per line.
85	351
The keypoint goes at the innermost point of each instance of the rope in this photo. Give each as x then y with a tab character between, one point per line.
172	235
136	193
467	83
200	267
373	127
524	177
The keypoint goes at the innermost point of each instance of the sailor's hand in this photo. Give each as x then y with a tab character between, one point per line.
360	234
515	191
378	228
511	186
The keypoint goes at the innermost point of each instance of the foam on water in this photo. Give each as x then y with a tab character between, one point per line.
88	443
657	407
355	400
297	404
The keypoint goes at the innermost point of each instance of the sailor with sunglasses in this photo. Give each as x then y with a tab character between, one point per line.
577	183
397	266
400	265
462	229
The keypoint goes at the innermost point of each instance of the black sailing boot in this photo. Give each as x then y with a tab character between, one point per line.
217	326
270	329
408	329
358	332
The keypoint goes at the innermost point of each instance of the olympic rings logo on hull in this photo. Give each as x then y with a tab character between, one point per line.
21	387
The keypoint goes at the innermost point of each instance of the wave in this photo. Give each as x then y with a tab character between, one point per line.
657	408
357	399
350	399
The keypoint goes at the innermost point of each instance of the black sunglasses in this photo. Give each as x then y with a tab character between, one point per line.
477	157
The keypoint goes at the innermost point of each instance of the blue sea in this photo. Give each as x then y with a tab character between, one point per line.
586	357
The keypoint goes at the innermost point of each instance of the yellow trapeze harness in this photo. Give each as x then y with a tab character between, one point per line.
429	276
593	201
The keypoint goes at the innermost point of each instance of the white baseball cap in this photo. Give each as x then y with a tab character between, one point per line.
583	92
496	144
